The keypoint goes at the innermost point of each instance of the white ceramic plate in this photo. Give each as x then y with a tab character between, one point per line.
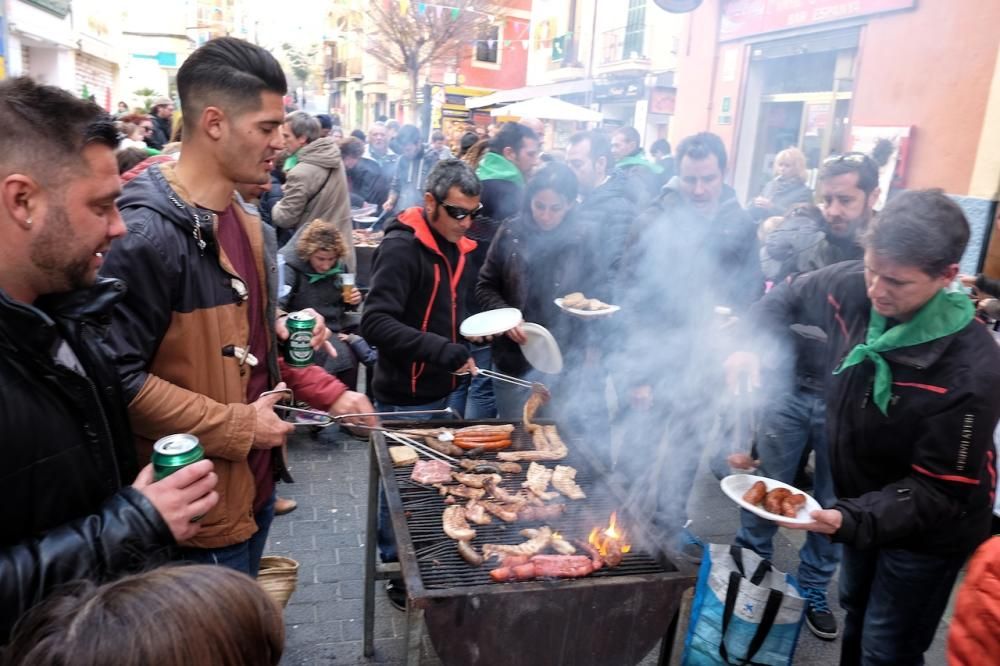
611	309
736	485
490	322
541	350
366	221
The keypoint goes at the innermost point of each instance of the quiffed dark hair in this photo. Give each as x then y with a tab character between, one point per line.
359	135
468	140
170	616
556	177
700	146
859	163
921	228
511	135
44	129
450	173
600	146
227	72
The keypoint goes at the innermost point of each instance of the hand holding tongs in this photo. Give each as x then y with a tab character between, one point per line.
517	381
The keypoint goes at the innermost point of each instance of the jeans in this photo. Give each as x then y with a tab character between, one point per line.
894	600
473	398
386	537
244	556
795	424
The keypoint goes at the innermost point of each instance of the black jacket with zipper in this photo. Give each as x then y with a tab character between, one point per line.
413	312
68	455
921	477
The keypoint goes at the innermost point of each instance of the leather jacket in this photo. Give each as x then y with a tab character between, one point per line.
68	454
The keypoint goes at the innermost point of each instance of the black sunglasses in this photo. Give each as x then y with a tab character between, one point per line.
460	213
854	158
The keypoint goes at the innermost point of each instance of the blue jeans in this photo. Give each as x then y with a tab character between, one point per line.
894	600
244	556
386	537
473	398
794	425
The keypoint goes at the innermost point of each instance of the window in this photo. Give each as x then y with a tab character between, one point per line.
488	45
635	28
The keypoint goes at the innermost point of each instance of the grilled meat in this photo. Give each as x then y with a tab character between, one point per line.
548	446
773	500
474	480
454	524
489	467
469	553
547	566
790	505
504	513
475	512
501	494
756	493
446	448
563	481
538	479
547	512
431	471
531	405
459	490
532	546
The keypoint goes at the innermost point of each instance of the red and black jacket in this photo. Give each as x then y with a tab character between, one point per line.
921	477
412	312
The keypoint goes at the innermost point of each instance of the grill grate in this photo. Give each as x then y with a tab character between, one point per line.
442	568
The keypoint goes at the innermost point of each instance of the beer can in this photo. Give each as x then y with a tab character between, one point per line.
172	452
299	351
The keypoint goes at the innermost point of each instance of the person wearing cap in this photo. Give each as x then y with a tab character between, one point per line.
162	114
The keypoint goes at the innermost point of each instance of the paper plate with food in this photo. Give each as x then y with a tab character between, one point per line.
770	499
581	306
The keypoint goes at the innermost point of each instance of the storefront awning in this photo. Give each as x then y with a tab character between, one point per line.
548	108
527	92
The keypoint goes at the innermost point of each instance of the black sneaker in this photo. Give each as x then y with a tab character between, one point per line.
819	617
395	589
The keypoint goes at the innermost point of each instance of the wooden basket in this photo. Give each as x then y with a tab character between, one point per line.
278	576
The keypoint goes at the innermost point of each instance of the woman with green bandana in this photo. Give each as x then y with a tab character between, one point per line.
912	404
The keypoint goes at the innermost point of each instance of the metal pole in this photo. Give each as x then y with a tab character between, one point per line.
370	553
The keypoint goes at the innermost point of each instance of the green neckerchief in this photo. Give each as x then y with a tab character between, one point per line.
637	159
494	166
945	314
290	161
316	277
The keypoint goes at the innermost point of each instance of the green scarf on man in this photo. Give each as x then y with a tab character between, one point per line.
495	166
638	160
945	314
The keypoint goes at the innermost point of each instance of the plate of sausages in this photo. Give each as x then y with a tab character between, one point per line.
770	499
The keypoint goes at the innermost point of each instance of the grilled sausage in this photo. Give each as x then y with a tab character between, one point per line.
773	500
469	553
790	505
756	493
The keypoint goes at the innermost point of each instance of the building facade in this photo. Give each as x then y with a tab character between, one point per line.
918	80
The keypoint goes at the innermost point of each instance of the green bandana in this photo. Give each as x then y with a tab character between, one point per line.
945	314
632	160
494	166
290	161
316	277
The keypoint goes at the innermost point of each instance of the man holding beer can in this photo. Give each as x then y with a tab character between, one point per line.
195	335
69	511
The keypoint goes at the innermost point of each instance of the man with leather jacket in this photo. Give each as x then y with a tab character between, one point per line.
68	460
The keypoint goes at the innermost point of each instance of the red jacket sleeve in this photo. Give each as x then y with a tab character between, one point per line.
312	385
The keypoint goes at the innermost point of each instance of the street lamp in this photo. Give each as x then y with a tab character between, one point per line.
678	6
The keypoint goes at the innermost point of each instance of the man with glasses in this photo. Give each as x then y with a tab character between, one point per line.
911	404
794	422
413	311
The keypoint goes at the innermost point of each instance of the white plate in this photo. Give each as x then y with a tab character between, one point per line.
611	309
541	349
490	322
367	221
736	485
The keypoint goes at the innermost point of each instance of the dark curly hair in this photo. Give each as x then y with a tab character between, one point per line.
318	236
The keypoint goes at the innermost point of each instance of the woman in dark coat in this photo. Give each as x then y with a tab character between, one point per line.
787	190
536	257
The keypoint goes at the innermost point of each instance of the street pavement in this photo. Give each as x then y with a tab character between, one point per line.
323	620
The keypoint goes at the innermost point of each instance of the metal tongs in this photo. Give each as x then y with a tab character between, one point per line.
320	419
517	381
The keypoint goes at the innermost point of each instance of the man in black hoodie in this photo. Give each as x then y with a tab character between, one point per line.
608	208
413	310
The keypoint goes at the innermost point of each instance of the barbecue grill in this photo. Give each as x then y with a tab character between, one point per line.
613	616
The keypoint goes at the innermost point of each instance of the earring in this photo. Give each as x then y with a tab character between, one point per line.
28	221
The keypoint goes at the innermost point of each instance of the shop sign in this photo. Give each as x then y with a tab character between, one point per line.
743	18
662	100
558	48
58	7
618	91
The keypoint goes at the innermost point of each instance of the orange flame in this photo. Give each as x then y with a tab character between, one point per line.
611	540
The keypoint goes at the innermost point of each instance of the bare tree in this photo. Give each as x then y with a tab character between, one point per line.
410	38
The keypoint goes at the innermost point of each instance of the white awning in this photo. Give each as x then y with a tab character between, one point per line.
548	108
527	92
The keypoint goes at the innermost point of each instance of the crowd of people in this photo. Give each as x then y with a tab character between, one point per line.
147	275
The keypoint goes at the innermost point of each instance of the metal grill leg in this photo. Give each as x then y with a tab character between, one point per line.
371	554
414	634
